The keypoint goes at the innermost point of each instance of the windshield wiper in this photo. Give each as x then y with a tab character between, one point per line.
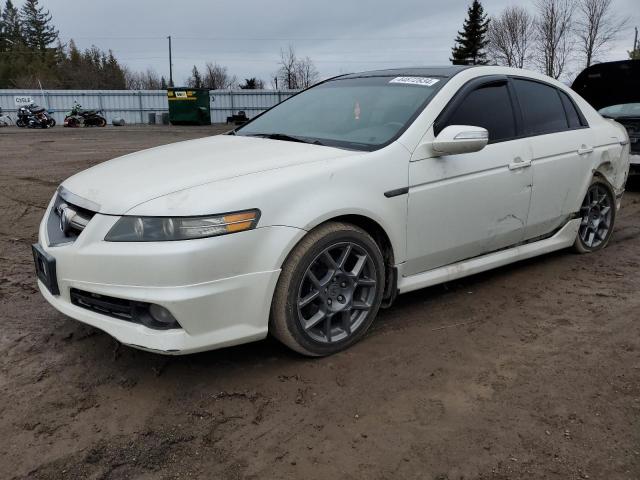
285	137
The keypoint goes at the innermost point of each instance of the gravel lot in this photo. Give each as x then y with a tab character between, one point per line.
530	371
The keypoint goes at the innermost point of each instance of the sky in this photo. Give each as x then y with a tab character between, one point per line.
340	36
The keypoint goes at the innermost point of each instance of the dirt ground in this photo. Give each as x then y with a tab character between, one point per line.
529	371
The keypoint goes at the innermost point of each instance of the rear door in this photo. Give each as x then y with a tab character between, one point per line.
561	150
461	206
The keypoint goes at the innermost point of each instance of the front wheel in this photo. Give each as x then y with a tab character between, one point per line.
598	214
329	291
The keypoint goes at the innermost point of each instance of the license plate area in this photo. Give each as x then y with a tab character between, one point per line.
45	269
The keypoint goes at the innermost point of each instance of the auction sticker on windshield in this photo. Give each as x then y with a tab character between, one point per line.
422	81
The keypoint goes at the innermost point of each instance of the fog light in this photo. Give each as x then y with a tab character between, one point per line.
162	316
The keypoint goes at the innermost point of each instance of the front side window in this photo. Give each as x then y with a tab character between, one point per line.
361	113
541	107
488	107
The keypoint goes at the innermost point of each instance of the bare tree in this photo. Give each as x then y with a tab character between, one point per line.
287	72
596	28
216	77
148	80
294	72
510	36
554	35
306	72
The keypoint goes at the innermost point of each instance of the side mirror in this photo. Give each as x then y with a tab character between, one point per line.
457	139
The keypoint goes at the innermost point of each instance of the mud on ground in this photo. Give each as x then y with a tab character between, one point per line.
529	371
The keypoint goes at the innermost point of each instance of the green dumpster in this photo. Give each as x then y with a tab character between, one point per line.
189	106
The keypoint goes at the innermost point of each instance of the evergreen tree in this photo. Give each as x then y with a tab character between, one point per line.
252	84
196	79
163	83
39	31
10	28
75	57
469	48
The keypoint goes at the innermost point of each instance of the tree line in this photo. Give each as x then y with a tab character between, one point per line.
32	55
554	36
293	73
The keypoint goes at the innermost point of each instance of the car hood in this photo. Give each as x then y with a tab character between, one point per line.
611	83
120	184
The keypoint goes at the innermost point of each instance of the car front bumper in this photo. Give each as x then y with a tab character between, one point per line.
634	164
219	289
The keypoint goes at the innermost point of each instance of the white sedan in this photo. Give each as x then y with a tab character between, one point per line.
305	221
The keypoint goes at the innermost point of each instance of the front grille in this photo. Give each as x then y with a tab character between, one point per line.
633	129
127	310
66	220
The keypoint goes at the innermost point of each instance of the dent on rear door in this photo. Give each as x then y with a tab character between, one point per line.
559	172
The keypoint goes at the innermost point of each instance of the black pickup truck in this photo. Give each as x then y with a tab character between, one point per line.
613	88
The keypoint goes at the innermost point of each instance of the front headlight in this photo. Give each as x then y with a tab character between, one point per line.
162	229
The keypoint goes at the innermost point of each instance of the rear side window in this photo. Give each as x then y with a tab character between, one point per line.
541	106
572	114
489	107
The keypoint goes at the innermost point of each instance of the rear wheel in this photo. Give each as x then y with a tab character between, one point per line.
101	122
598	214
329	291
71	122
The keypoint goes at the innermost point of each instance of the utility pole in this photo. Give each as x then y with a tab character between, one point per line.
635	41
170	64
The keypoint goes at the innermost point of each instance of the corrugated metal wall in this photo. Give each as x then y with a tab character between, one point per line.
135	106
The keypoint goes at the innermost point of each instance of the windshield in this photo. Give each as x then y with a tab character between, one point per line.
362	113
622	110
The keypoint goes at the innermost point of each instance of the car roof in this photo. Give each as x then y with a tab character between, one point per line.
441	71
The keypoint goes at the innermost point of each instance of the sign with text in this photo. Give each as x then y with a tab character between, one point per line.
23	100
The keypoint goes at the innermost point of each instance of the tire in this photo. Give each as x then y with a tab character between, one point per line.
52	122
329	291
101	122
20	123
598	213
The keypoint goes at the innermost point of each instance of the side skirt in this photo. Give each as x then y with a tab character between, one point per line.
565	237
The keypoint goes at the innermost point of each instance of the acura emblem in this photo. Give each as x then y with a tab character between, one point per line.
66	214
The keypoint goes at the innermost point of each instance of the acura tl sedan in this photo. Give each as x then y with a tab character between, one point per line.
304	222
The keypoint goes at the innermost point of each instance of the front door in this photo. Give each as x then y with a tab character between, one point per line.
462	206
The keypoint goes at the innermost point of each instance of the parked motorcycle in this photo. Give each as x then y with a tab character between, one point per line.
34	116
79	117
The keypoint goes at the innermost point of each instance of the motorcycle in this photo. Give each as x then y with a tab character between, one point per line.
78	117
34	116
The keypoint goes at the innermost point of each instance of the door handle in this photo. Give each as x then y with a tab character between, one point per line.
519	163
583	150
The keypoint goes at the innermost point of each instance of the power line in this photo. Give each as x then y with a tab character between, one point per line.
262	39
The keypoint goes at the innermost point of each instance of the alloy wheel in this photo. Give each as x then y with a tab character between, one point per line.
596	214
337	293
